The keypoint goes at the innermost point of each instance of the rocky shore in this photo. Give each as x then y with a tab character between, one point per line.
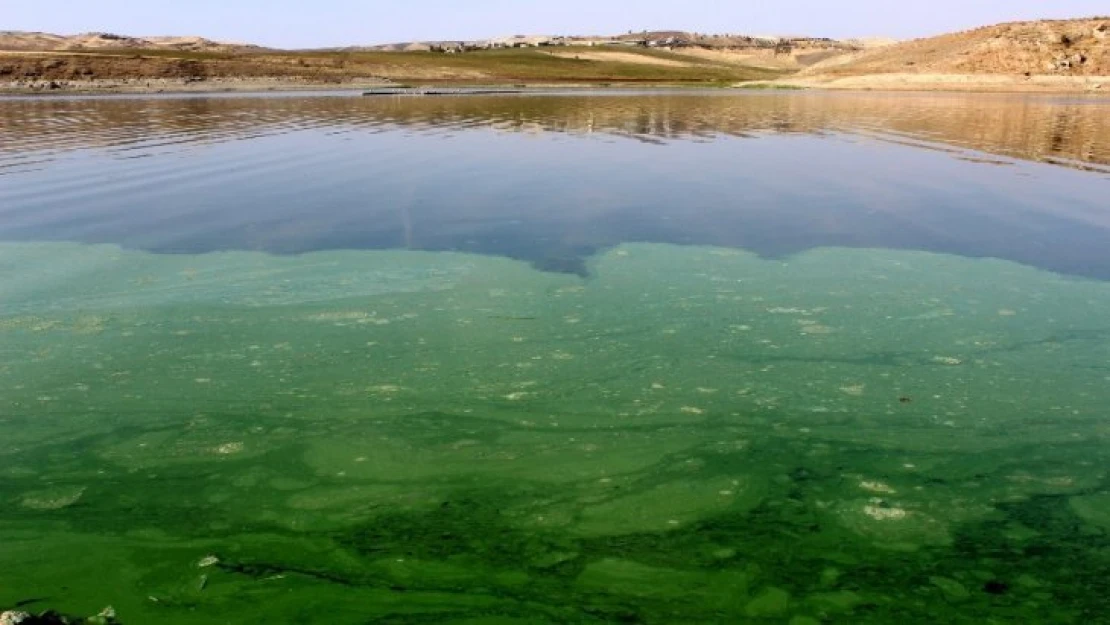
184	85
107	616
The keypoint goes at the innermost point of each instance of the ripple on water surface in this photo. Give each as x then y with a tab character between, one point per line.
553	179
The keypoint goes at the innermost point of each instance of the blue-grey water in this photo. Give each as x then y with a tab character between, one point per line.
653	357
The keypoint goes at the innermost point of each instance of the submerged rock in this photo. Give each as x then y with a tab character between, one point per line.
107	616
14	618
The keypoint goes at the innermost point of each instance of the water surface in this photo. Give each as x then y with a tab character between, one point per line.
575	358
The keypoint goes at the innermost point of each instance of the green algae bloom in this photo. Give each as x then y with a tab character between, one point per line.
683	435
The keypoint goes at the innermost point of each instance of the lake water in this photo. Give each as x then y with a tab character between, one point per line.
663	357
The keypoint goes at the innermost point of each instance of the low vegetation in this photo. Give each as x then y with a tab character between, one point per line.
528	65
1046	55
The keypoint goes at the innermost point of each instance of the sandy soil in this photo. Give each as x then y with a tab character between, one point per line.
955	82
1078	47
620	57
757	58
766	59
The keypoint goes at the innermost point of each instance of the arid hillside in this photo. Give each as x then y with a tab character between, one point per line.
1061	47
1046	56
47	42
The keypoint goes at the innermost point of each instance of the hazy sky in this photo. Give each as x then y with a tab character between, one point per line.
301	23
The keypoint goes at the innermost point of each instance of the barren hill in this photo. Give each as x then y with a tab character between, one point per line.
1078	47
1060	55
46	42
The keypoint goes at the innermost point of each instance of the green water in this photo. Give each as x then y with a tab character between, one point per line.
688	435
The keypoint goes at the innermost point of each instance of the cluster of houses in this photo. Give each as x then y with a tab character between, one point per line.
663	40
516	41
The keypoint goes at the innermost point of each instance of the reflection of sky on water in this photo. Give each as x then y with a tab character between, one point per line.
773	174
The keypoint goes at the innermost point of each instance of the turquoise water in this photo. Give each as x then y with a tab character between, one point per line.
663	433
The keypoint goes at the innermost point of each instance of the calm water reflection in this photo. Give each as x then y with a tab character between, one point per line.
554	179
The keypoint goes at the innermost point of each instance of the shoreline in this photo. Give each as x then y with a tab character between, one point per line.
927	83
170	86
961	83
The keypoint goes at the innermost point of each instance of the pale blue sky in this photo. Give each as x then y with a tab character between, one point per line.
297	23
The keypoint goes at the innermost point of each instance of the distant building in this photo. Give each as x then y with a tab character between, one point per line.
523	41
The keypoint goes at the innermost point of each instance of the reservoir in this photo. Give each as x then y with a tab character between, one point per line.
668	356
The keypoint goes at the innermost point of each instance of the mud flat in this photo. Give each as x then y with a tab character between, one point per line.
952	82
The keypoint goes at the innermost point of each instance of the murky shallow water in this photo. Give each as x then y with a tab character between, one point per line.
802	358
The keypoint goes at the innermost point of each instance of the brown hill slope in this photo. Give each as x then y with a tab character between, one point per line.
47	42
30	42
1079	47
